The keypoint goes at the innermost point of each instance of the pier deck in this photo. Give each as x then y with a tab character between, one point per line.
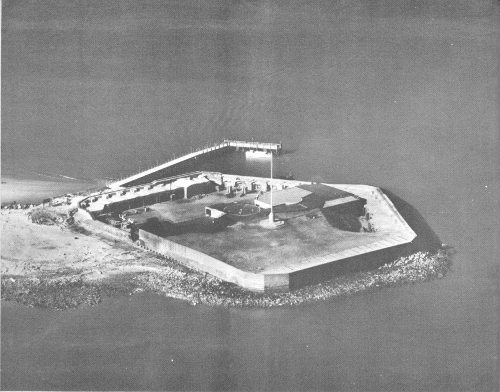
226	144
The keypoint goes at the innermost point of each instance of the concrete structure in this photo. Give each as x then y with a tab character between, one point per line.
289	276
167	189
392	232
201	262
214	212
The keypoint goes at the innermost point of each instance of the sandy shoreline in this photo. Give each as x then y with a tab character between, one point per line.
60	267
34	191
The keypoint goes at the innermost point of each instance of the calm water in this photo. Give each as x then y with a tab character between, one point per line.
399	94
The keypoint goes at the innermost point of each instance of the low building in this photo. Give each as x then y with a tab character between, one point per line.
214	211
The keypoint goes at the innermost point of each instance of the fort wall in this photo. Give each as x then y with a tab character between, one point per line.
385	218
97	227
201	261
143	200
383	215
361	262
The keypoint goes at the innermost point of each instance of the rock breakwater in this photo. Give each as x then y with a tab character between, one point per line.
63	291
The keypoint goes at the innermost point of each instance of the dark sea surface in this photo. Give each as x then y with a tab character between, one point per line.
398	94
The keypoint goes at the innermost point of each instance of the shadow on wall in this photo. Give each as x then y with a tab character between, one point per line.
359	263
343	221
427	239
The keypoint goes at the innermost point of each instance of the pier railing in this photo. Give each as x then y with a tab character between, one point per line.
253	145
226	143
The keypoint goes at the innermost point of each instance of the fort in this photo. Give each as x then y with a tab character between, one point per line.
262	234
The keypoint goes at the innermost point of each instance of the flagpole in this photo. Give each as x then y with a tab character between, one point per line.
271	215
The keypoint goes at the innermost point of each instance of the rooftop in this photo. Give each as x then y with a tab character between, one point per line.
312	195
286	196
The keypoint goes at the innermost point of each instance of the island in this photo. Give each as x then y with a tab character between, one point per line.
211	237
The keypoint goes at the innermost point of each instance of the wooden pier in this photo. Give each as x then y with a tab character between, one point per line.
242	145
225	145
